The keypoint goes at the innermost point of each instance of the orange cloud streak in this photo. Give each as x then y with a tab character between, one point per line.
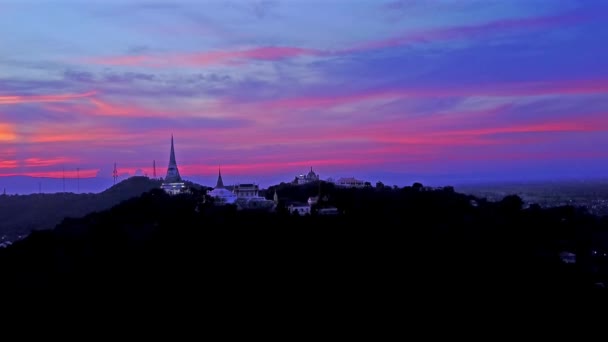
39	162
99	107
49	136
7	132
19	99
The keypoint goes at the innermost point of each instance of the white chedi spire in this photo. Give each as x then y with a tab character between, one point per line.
172	171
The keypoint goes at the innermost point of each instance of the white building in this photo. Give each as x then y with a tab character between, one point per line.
174	188
328	211
247	197
220	194
246	190
567	257
313	200
301	209
307	178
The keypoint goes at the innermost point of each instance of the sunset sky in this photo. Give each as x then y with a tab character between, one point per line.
398	91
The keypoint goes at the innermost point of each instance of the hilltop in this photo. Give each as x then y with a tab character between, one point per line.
22	214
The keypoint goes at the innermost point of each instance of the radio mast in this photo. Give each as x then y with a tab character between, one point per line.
78	180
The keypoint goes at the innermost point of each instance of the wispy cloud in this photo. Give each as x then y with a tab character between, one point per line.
263	8
43	162
470	31
515	89
276	53
227	57
19	99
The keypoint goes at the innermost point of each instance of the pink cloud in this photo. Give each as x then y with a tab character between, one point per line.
95	106
267	53
82	173
473	128
526	155
598	86
101	107
8	164
578	123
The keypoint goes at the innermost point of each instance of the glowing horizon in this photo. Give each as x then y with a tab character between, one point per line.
266	89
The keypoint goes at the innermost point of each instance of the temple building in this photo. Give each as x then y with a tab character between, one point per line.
247	197
220	194
173	183
243	195
307	178
247	190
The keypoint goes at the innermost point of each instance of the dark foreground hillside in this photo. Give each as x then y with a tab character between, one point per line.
390	241
23	213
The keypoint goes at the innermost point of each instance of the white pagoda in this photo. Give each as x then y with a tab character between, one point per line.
173	183
220	194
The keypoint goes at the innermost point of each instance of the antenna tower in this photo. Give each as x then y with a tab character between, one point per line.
154	167
115	174
78	180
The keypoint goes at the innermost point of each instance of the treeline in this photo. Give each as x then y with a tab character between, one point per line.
385	238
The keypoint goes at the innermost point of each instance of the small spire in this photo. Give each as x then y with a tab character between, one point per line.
172	156
220	182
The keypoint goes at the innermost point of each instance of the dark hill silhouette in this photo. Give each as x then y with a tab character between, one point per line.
387	241
21	214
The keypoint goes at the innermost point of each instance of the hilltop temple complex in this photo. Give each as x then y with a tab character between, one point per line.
243	195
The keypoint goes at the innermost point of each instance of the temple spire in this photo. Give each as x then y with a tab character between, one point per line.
172	156
220	182
172	171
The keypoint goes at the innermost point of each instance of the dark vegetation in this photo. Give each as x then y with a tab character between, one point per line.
20	214
385	241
